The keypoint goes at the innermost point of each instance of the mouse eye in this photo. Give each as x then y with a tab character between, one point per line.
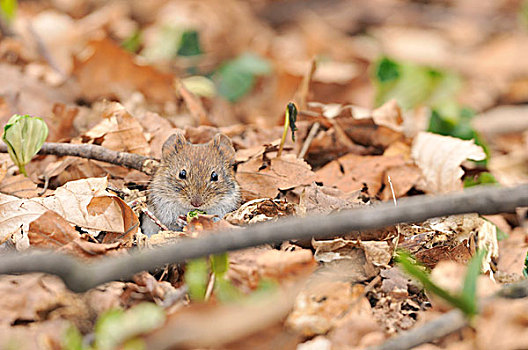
214	176
183	174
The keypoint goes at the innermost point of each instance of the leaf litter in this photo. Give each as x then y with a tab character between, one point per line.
127	75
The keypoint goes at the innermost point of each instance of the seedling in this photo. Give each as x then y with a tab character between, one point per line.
290	117
24	136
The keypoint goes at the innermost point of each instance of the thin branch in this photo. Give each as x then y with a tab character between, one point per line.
129	160
80	277
313	131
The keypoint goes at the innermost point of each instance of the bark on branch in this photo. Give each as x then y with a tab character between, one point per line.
128	160
80	277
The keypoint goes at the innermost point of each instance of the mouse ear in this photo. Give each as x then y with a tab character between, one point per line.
174	143
224	146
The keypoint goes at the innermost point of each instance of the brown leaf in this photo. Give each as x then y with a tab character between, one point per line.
106	71
317	199
265	180
403	178
260	210
349	172
86	203
366	257
16	214
325	306
120	131
38	297
20	186
207	325
50	230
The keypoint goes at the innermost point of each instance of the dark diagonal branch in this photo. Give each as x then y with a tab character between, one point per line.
128	160
80	277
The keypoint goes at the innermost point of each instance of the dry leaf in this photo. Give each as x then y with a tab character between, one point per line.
16	214
86	203
322	307
105	70
51	230
260	210
439	158
120	131
263	179
317	199
350	172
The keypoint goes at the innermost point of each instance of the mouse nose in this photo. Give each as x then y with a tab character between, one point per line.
197	201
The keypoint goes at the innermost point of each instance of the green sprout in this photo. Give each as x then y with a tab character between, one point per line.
24	136
290	117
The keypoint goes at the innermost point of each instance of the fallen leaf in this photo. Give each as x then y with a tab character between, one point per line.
260	210
262	179
439	157
50	230
119	131
20	186
86	203
16	214
105	70
351	171
367	257
37	297
321	308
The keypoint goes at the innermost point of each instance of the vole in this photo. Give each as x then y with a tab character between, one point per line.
192	176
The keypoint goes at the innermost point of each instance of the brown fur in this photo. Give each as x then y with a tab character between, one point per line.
169	196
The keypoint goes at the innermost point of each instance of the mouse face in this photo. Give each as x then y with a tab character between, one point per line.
195	177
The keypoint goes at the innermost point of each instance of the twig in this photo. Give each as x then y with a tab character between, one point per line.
313	131
446	324
305	85
155	219
80	277
210	286
129	160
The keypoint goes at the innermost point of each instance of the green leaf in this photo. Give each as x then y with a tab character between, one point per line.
24	136
72	339
115	327
483	178
387	70
189	44
469	290
8	9
194	214
225	291
412	85
196	278
237	77
415	270
133	42
219	264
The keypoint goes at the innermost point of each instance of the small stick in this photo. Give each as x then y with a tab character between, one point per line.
144	164
311	135
210	286
154	218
